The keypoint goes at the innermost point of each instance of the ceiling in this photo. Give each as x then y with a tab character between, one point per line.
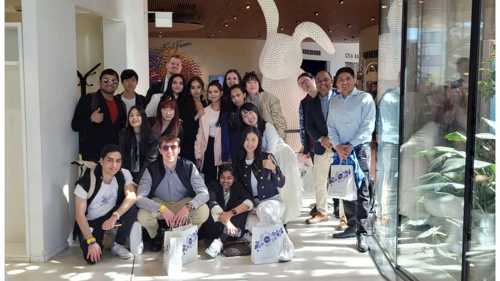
343	20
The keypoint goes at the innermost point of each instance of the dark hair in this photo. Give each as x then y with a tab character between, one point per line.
249	76
222	110
305	74
145	127
325	72
237	86
109	148
226	168
344	69
258	150
199	80
109	71
261	124
175	56
169	92
129	73
168	138
174	125
225	87
216	84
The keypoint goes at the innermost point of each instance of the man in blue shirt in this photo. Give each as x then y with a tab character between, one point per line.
350	128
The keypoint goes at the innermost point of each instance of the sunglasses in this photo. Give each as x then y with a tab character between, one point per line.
110	81
168	147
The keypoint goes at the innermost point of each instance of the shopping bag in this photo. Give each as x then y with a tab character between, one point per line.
342	184
187	237
172	254
267	243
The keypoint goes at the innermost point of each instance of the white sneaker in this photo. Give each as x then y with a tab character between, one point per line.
215	248
121	252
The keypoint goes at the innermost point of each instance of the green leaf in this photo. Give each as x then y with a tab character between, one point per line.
456	136
432	178
485	136
489	122
453	164
478	164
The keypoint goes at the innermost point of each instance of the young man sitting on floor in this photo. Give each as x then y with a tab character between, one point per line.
104	199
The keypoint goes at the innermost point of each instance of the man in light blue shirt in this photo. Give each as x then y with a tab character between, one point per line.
350	128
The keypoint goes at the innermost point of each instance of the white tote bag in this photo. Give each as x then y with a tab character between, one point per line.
267	243
341	184
180	244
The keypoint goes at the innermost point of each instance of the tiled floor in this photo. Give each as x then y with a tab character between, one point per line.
317	257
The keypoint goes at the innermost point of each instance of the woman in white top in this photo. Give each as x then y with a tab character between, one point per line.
208	144
291	193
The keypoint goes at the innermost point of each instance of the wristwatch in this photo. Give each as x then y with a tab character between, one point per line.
234	212
190	205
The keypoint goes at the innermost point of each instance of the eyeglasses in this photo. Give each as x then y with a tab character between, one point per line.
110	81
168	147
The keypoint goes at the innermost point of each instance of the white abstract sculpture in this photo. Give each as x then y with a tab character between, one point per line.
280	61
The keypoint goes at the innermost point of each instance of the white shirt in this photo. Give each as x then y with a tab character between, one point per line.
253	180
105	199
212	116
128	102
153	105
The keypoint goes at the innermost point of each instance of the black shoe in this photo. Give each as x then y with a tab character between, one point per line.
313	211
156	243
348	233
361	245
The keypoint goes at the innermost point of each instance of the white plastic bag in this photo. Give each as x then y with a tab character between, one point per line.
172	255
267	243
342	184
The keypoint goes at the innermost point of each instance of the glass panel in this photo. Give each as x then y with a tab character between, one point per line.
386	183
11	44
481	256
432	156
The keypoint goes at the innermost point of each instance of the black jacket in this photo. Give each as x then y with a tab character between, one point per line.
140	101
155	88
305	138
316	124
187	112
267	181
148	152
237	195
92	136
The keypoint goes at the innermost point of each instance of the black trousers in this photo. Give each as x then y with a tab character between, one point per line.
126	221
211	229
357	211
209	168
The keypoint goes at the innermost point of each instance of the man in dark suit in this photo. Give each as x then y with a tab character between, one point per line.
174	66
316	116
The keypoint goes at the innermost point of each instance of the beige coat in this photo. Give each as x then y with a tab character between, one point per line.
270	111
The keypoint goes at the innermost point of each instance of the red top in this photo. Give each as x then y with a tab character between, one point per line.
113	109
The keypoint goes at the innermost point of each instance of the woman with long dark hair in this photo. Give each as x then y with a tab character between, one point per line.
196	88
286	158
209	143
175	89
167	121
231	78
137	144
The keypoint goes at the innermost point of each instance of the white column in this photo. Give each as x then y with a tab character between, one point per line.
114	44
51	94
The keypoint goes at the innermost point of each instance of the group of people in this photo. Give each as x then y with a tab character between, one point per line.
215	157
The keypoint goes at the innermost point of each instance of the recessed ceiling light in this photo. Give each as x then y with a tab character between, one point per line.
330	31
297	21
282	28
226	25
421	2
247	7
372	19
341	2
349	25
235	18
316	13
219	31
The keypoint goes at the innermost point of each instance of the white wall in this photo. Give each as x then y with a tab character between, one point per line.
51	94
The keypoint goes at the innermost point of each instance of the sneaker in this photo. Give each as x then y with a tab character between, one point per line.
347	233
215	248
318	217
121	252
